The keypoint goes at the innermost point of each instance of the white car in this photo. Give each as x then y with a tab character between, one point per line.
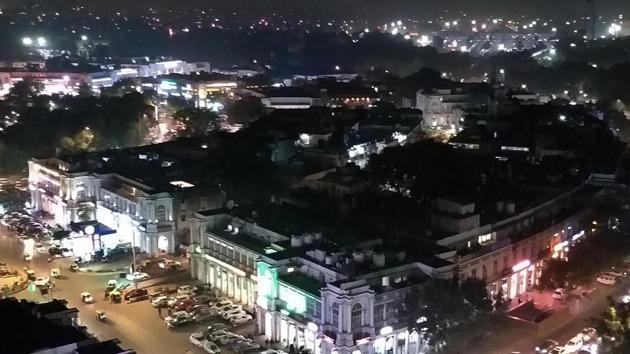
559	294
574	344
607	279
197	339
241	319
169	264
28	257
229	308
211	348
40	249
87	297
137	276
42	281
23	239
186	290
65	253
172	301
160	301
232	313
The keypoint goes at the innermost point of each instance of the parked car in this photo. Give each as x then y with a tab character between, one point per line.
169	264
559	350
160	301
588	334
28	257
241	319
559	294
178	319
229	308
546	347
607	279
617	272
65	253
203	316
176	299
215	327
231	339
186	290
203	299
184	305
228	315
574	344
211	348
197	339
135	295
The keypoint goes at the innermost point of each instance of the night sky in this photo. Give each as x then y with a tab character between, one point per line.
369	8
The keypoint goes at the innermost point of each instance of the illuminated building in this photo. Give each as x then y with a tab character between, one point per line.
509	252
327	296
126	193
442	109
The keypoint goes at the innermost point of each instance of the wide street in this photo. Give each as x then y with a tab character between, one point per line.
137	325
519	338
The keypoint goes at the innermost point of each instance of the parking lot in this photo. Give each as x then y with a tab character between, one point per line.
139	325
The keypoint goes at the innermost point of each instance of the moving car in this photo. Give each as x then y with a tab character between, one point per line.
42	281
40	249
137	276
55	273
607	279
28	257
30	274
546	347
559	294
87	297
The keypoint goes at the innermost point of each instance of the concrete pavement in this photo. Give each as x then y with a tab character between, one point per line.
137	325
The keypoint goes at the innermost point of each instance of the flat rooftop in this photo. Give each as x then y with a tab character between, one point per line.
303	282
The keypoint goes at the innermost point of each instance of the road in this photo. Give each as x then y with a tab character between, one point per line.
514	338
138	326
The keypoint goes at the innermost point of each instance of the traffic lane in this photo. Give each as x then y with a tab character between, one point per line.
137	326
572	328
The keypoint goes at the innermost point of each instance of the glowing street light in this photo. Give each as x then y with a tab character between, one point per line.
84	37
27	41
41	41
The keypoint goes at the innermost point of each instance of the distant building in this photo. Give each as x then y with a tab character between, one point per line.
442	108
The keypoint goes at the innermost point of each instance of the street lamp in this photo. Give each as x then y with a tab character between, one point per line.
41	41
27	41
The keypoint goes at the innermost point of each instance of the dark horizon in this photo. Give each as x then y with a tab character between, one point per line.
364	8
